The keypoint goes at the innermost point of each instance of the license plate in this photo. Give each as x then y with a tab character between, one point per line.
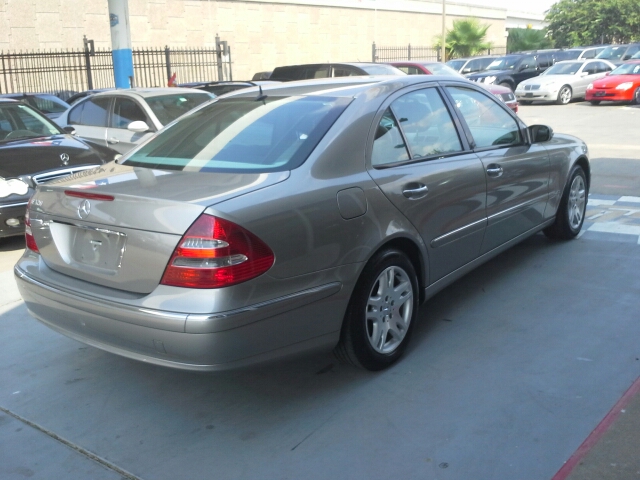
598	94
98	248
528	94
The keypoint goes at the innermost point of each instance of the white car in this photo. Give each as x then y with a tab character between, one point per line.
121	119
563	82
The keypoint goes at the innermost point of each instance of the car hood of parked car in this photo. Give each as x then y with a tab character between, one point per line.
611	81
28	156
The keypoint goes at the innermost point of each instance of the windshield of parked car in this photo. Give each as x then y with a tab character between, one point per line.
613	52
442	69
627	69
504	63
240	134
49	104
20	121
169	107
456	64
381	70
569	68
571	54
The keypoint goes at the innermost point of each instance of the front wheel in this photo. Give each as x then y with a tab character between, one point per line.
572	208
381	312
564	95
635	100
506	85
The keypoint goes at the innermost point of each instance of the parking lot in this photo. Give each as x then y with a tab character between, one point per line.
510	369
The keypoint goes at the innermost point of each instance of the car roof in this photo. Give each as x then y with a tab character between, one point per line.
148	92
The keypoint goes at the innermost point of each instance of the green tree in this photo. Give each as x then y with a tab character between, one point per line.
466	38
520	39
585	22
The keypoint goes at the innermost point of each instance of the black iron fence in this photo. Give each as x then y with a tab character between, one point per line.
88	68
410	52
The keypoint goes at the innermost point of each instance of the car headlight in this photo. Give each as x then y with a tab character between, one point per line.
520	87
590	86
624	86
490	79
13	186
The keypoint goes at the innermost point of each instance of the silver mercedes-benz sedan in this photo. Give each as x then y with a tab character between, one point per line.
300	216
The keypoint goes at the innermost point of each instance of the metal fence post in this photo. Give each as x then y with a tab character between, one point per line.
87	63
219	58
373	52
409	52
167	60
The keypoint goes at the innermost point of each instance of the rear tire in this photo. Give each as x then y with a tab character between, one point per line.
381	313
594	102
564	95
572	208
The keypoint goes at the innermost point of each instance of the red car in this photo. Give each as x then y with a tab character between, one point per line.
621	85
437	68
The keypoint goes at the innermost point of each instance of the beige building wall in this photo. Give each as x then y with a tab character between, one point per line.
262	34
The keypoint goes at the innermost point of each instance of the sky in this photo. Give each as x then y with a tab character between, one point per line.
533	6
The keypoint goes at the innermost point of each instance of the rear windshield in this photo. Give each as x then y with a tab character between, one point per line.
243	135
169	107
613	52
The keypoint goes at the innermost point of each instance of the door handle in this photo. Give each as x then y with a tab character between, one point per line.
494	170
113	140
414	191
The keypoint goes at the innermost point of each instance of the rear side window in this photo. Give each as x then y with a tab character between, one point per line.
243	135
92	112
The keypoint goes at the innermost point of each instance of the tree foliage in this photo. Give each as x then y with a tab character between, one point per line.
465	39
520	39
588	22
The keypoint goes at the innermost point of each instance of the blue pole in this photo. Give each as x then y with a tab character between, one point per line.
121	43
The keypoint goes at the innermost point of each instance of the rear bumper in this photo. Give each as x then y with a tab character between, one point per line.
219	341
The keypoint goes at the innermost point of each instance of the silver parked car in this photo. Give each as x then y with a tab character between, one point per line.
563	82
300	216
121	119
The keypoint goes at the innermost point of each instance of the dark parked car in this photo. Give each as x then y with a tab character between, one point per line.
50	105
33	150
326	70
510	70
297	217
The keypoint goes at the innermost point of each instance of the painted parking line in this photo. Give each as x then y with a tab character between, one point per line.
598	432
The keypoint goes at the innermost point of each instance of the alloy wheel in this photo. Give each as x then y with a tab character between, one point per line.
577	202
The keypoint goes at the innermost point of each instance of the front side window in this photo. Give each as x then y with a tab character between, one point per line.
527	64
126	111
426	123
243	134
169	107
489	123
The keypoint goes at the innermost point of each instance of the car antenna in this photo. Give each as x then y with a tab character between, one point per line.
261	96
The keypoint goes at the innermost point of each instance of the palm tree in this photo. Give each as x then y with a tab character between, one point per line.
466	38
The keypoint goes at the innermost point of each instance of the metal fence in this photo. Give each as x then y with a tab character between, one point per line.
87	69
409	52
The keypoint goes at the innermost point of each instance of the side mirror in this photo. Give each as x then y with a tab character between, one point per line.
466	70
540	133
608	73
69	129
585	74
138	126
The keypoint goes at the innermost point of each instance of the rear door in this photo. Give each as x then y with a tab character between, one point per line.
517	174
425	168
90	119
125	111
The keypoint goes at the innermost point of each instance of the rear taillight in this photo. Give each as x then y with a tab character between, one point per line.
216	253
28	235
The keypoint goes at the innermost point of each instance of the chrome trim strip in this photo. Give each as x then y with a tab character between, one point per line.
47	176
458	233
21	204
497	217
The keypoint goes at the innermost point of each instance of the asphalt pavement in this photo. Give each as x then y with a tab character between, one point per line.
527	368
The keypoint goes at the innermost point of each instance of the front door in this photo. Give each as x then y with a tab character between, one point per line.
126	111
426	170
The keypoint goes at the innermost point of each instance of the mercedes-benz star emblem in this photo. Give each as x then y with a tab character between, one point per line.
65	158
84	209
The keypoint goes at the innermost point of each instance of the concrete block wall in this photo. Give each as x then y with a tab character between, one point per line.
262	34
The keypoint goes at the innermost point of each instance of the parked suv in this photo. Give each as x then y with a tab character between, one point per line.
510	70
582	53
325	70
467	66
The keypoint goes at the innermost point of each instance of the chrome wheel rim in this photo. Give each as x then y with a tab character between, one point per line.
565	95
577	202
389	310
